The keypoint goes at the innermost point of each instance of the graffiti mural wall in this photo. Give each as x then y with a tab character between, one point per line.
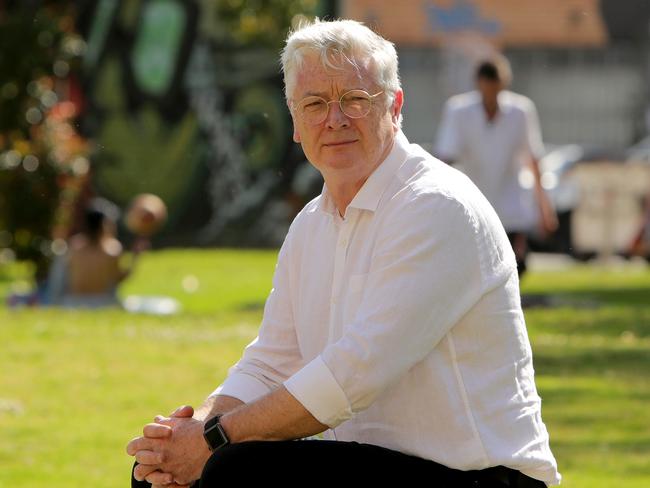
185	100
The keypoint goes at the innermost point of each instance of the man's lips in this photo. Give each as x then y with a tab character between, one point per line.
340	143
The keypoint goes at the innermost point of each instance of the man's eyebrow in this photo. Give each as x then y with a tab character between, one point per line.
325	94
315	94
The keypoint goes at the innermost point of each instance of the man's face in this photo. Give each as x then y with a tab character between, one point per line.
489	89
340	145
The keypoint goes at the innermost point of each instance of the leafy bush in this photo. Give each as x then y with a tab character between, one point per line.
42	158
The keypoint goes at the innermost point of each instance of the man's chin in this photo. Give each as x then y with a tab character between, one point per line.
341	164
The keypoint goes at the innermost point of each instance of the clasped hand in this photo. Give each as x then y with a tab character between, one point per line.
171	452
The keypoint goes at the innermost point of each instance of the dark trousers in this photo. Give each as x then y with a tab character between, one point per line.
519	243
307	462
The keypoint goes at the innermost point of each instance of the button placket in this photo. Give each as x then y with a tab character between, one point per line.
339	267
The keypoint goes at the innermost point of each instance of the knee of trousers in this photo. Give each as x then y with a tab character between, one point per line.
231	460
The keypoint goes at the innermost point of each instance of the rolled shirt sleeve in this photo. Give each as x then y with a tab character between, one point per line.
243	386
425	274
274	355
316	388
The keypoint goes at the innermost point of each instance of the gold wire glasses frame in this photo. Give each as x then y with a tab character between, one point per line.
354	104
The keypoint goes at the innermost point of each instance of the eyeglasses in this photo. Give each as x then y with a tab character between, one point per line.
354	104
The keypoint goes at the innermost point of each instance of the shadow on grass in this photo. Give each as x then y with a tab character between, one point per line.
592	298
627	324
257	306
593	361
637	296
628	447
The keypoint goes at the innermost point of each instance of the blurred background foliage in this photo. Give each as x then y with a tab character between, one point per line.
261	22
81	112
42	157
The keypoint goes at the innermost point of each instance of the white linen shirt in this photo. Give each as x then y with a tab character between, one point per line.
494	153
400	324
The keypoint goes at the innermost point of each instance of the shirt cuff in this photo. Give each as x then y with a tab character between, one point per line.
317	390
242	386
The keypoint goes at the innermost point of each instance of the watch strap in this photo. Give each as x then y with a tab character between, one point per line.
214	434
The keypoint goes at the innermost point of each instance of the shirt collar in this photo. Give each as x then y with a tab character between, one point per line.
372	190
326	203
503	99
367	198
504	102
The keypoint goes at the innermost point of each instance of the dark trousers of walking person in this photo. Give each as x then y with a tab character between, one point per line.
519	243
307	462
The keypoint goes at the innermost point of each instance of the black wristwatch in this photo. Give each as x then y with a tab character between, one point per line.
214	434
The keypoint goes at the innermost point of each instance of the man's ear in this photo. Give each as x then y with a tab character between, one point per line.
296	133
396	109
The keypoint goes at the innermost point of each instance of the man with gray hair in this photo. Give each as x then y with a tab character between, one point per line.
394	326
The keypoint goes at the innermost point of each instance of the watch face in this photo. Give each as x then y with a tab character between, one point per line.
214	434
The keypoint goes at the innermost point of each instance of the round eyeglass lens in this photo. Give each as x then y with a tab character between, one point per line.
355	104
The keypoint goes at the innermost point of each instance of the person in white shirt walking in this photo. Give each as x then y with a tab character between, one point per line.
394	325
491	134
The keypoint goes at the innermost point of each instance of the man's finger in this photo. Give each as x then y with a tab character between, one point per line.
139	444
157	431
141	471
149	457
159	478
183	411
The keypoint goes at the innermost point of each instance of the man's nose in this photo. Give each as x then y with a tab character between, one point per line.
335	117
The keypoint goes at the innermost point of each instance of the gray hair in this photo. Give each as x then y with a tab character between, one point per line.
337	42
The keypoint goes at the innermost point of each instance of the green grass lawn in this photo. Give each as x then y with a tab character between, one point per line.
76	386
